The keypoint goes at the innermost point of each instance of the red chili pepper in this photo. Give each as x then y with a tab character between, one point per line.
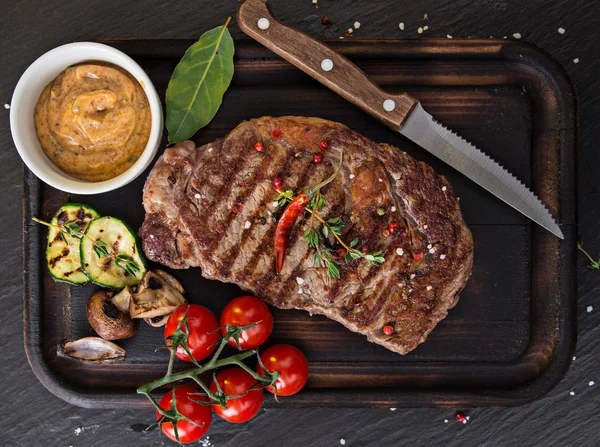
277	183
260	147
220	228
388	330
291	213
276	133
323	144
317	158
460	416
417	255
237	207
285	225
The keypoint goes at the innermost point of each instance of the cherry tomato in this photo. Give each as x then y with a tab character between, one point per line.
203	331
243	311
236	381
291	365
200	414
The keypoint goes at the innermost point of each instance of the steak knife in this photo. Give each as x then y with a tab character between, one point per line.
400	112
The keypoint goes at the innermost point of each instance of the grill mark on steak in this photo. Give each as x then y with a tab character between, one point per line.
274	169
269	235
367	297
243	215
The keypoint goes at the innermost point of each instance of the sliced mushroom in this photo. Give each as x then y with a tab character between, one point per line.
122	299
93	349
157	321
156	297
107	320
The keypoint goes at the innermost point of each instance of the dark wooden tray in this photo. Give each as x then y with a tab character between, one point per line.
510	338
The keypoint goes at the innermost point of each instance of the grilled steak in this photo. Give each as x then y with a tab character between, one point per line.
213	207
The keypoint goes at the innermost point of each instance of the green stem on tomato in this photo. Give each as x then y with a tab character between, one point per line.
175	377
254	374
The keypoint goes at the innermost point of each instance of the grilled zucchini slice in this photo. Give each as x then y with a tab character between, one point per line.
110	253
62	250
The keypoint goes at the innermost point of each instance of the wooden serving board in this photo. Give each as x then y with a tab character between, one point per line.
510	338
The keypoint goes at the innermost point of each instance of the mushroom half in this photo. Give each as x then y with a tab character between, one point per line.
154	299
107	319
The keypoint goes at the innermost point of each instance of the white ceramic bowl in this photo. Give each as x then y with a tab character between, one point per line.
25	97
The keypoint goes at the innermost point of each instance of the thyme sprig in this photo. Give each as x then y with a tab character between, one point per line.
324	256
179	339
593	264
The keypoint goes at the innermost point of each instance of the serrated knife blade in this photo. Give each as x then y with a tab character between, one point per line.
421	128
400	112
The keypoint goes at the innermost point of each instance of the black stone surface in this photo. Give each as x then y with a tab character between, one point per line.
31	416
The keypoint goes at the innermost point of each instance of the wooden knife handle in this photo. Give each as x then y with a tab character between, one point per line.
324	64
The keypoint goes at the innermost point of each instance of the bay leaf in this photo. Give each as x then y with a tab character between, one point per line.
198	83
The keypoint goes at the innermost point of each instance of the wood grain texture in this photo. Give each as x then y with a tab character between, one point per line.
324	64
40	419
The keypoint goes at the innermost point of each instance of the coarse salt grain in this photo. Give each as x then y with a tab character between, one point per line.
356	25
7	106
197	195
299	280
517	35
561	30
343	441
429	245
445	421
429	287
247	224
275	203
576	60
468	418
420	30
381	180
393	209
589	309
424	227
425	28
574	358
591	383
352	176
572	393
444	188
300	291
400	251
401	26
412	276
448	36
210	149
151	236
432	250
350	30
442	257
392	409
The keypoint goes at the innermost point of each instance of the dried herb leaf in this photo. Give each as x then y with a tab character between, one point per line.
198	83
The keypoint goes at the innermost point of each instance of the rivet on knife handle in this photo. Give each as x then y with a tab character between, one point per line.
323	64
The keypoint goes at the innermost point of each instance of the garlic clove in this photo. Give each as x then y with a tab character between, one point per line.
93	349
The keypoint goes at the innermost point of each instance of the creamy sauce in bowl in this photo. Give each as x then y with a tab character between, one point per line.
93	121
